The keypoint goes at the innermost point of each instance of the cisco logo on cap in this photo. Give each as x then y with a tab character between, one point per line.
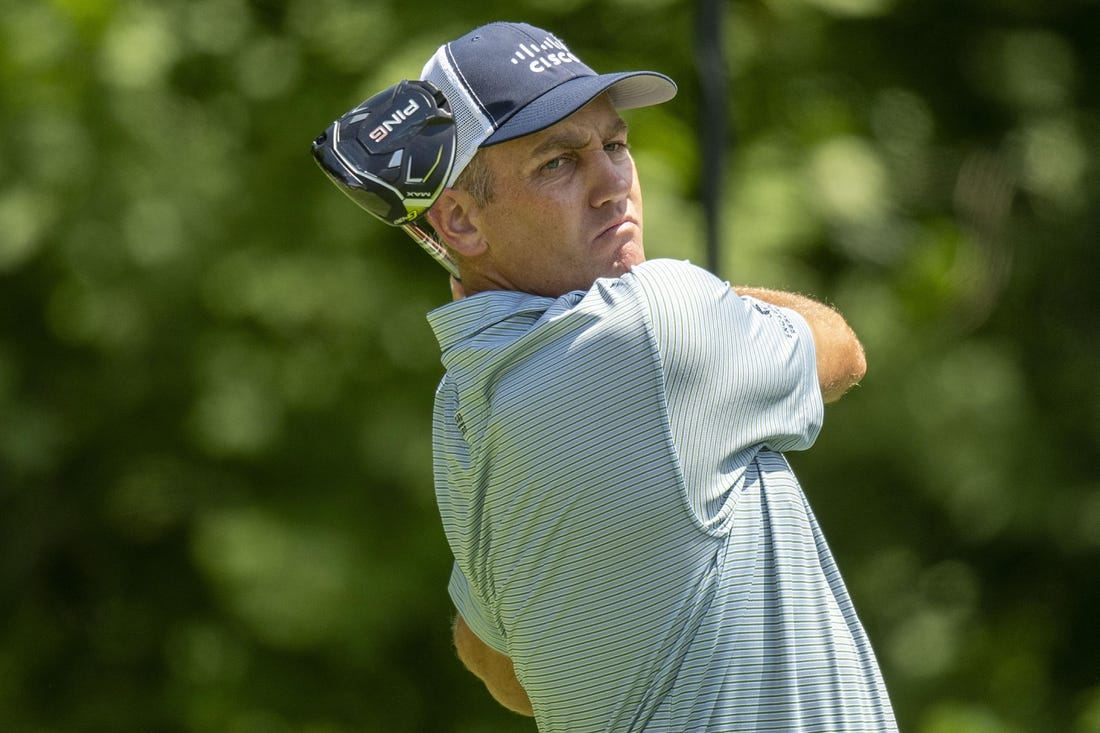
540	57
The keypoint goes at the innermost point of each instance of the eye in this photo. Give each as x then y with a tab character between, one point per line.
555	164
617	149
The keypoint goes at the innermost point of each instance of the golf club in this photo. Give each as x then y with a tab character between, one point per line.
393	155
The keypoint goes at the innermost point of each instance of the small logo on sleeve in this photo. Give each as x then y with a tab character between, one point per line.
766	309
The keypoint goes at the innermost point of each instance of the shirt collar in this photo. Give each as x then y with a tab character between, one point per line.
458	320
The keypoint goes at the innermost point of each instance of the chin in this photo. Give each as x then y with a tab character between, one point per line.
629	257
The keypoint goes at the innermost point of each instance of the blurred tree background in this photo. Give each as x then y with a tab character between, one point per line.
216	510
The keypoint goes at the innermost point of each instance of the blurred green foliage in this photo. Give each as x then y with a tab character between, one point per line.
216	510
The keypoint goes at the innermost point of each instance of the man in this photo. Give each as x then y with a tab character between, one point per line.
632	550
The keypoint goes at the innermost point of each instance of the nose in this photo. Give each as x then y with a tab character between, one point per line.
611	178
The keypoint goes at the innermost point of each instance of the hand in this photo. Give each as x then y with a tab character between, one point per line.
457	291
492	668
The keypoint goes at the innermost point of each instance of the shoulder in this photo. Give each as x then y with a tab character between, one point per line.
660	271
679	288
677	279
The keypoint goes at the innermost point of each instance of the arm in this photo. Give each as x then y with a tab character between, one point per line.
487	664
492	668
840	359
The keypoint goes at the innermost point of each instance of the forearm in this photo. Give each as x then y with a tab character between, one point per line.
841	362
492	668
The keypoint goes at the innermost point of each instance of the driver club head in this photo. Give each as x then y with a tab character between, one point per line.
393	154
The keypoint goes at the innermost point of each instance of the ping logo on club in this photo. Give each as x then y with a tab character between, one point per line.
379	133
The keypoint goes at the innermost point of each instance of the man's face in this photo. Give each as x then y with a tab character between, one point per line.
566	207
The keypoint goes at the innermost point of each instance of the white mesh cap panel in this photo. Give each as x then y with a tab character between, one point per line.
472	127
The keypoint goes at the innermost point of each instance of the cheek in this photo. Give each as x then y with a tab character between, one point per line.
520	235
546	220
536	228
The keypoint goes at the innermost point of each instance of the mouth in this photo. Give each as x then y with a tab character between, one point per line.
627	226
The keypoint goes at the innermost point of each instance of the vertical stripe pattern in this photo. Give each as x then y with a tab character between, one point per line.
610	476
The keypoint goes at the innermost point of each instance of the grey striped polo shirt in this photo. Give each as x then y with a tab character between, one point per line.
610	474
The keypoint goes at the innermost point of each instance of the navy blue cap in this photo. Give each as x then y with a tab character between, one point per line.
507	80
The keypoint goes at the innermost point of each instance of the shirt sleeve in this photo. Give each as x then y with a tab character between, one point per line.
473	612
734	366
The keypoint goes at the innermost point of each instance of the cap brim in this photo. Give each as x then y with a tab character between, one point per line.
627	90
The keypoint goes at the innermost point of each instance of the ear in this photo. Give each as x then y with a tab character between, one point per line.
454	218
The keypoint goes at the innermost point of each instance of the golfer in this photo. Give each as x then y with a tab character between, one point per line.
632	550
